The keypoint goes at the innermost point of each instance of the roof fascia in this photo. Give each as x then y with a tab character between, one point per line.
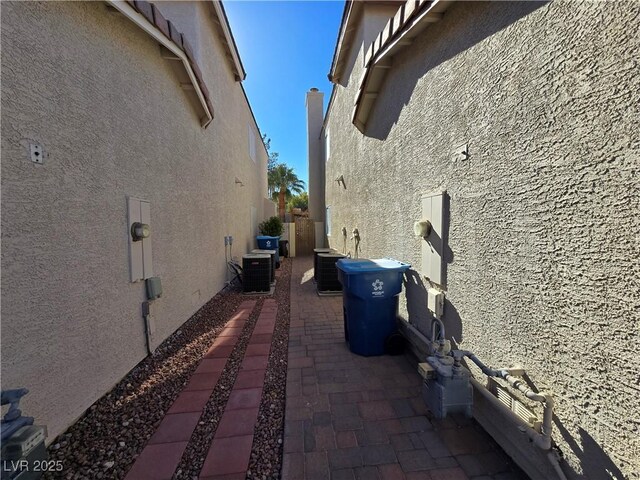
412	17
141	21
231	43
342	50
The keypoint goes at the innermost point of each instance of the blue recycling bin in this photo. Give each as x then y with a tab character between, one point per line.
266	242
370	290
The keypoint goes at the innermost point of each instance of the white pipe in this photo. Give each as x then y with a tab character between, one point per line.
553	458
539	439
542	440
433	329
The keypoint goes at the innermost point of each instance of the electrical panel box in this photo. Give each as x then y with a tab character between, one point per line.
432	247
140	256
435	302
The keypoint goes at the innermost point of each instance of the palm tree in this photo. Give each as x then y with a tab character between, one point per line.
282	183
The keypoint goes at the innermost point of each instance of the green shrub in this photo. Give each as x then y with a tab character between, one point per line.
272	227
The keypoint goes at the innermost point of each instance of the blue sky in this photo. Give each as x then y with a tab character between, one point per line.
286	48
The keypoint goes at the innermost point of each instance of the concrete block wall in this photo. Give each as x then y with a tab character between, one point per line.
541	222
109	112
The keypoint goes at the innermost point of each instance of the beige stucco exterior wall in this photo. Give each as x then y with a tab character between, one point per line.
542	258
93	90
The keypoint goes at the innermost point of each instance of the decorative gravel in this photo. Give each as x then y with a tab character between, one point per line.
105	441
268	435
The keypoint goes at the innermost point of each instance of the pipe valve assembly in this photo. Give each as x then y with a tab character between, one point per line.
448	388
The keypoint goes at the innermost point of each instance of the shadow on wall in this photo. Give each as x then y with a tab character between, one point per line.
464	24
419	316
446	254
594	461
416	290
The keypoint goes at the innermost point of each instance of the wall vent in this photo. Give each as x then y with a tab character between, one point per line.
509	400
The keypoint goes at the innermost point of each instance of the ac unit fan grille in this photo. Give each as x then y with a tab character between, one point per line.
256	273
272	254
328	272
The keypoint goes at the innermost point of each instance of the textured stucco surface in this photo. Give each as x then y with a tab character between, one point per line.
543	219
94	91
316	185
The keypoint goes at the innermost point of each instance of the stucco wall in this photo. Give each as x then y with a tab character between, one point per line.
542	259
94	91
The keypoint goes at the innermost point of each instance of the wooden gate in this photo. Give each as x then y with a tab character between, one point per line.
305	236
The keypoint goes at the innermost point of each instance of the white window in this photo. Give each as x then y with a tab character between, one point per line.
327	146
327	222
252	143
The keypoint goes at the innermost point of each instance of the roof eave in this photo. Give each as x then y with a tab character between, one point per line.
239	71
412	17
343	45
150	28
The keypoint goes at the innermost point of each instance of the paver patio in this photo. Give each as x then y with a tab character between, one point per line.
353	417
346	416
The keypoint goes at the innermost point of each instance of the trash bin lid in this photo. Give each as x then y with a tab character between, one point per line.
354	266
265	237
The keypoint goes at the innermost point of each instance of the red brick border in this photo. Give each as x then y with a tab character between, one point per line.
161	456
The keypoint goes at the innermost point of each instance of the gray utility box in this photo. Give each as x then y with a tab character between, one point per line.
154	288
446	389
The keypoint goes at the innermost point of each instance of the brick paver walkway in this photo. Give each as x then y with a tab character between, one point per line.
229	454
161	456
353	417
230	451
